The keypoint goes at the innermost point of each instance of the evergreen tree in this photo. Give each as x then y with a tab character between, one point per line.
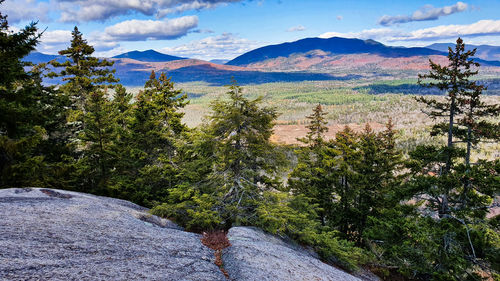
83	75
457	193
309	177
155	131
317	127
90	118
234	162
454	80
29	113
246	160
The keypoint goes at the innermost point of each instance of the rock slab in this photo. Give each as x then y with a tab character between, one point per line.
48	234
258	256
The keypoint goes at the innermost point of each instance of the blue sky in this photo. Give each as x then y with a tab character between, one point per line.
224	29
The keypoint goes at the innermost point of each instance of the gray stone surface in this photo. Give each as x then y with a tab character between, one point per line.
48	234
255	255
62	235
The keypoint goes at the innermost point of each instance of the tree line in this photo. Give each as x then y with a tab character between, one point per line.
356	200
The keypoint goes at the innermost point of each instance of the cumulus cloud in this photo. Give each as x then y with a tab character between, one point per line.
192	5
53	41
296	28
480	28
56	36
19	10
140	30
224	46
101	10
375	33
477	29
425	13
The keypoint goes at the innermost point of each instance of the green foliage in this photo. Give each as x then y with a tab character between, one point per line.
295	217
246	161
148	137
457	195
317	127
30	114
349	199
350	178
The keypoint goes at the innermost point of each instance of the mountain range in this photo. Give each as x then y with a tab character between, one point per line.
485	52
305	59
148	55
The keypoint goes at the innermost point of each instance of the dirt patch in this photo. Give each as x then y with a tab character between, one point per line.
52	193
217	241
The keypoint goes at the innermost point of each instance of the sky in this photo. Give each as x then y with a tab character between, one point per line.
224	29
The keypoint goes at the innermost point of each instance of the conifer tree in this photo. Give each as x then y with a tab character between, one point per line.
454	80
155	131
82	75
29	113
90	118
227	166
246	160
309	177
459	193
317	127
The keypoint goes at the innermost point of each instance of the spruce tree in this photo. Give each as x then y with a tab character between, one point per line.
156	129
316	128
309	177
246	160
457	192
82	75
90	117
29	113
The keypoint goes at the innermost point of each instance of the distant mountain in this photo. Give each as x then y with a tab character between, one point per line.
149	55
331	46
37	57
219	61
485	52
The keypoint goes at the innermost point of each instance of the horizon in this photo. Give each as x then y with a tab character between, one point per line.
225	29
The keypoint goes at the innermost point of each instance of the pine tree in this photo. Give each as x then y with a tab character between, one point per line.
29	113
309	177
317	127
246	160
458	193
156	129
83	75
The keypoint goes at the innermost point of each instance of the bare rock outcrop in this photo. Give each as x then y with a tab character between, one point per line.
255	255
48	234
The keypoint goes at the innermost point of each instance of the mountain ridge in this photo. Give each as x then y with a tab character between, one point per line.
334	45
148	56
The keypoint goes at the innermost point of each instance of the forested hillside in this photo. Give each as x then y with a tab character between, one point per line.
357	200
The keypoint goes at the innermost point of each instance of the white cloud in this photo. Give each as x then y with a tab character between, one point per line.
192	5
140	30
224	46
296	28
56	36
101	10
425	13
375	33
480	28
19	10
